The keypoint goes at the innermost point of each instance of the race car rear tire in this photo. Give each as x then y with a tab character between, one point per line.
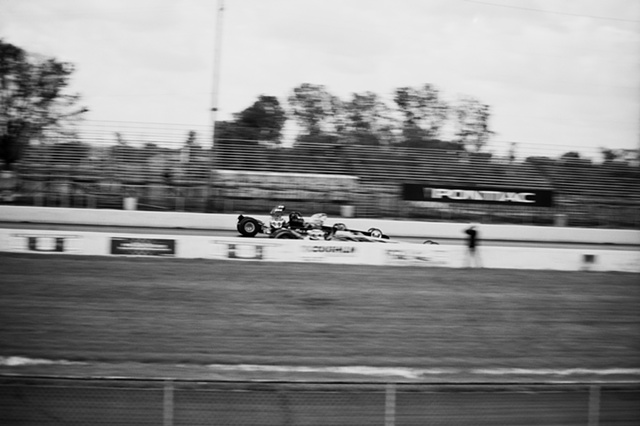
285	234
375	232
248	227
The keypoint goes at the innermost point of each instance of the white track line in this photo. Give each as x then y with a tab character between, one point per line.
415	373
407	373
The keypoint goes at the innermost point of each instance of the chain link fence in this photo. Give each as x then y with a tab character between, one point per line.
164	169
84	401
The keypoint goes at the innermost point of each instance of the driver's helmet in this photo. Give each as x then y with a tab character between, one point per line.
339	227
277	210
317	220
338	231
277	221
296	220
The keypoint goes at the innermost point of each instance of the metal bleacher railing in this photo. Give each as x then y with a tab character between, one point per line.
164	167
49	401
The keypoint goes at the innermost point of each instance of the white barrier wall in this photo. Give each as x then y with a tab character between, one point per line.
268	250
420	229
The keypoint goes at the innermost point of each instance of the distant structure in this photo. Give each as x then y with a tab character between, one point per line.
217	54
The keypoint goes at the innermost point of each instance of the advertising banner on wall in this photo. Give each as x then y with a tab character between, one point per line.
143	246
46	243
417	255
238	249
293	251
245	251
468	194
328	252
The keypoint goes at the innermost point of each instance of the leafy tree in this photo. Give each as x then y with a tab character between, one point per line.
368	120
419	116
231	131
192	138
424	111
318	144
12	141
317	110
32	99
472	122
414	136
540	160
151	146
573	158
571	155
263	121
618	156
191	149
120	140
123	152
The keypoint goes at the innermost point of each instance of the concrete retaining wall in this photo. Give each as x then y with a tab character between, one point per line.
418	229
269	250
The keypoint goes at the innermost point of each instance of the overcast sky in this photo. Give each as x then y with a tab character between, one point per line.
557	73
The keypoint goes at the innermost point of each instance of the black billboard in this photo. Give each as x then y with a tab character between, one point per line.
54	244
476	194
143	247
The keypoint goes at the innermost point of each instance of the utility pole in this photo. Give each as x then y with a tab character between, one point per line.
216	70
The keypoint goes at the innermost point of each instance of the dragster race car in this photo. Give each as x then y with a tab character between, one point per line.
297	228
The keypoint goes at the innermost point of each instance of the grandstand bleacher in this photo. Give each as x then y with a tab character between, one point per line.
102	175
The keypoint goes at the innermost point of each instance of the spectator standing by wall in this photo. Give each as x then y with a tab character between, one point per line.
473	238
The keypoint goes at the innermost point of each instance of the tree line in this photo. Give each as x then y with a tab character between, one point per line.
416	117
34	103
33	99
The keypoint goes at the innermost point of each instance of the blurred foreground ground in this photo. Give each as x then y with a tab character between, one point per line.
196	318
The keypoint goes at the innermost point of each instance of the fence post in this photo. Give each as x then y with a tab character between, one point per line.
167	404
594	405
390	405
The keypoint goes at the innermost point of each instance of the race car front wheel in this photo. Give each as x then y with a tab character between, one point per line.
248	227
375	232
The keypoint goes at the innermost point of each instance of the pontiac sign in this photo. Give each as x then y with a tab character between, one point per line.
457	194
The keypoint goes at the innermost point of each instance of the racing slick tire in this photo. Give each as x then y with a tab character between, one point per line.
248	227
285	234
375	232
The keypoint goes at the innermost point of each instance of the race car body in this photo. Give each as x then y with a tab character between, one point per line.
298	228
